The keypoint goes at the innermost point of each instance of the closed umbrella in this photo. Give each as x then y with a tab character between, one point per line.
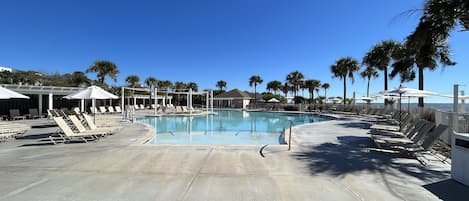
8	94
93	93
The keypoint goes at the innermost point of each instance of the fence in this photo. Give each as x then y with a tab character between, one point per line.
458	122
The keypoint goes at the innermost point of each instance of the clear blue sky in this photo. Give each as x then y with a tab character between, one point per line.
206	41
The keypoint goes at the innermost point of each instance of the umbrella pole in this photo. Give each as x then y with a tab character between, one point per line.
400	110
93	102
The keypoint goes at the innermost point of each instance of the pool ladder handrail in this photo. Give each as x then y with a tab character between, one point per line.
289	135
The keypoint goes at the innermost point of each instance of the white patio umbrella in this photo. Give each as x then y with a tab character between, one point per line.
8	94
403	91
93	93
273	100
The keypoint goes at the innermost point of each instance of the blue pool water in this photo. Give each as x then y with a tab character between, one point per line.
226	127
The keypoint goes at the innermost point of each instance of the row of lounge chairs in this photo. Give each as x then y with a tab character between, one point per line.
12	130
80	127
404	133
16	115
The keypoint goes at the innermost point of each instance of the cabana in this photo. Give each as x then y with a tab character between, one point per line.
233	99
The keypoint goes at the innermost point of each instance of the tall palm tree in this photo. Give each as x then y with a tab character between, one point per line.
132	80
193	86
221	84
325	86
380	57
295	79
253	82
312	85
427	45
369	73
104	69
274	86
343	68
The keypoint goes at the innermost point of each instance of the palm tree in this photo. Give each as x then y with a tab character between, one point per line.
325	86
343	68
380	57
274	86
166	84
295	79
312	85
221	85
151	82
285	89
79	78
104	69
369	73
427	45
193	86
179	86
132	80
253	81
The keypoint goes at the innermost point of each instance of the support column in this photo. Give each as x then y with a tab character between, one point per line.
169	99
40	104
135	100
190	101
463	106
156	101
164	101
82	105
206	101
51	101
211	100
122	101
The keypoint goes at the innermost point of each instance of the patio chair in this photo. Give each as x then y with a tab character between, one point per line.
414	136
34	113
102	110
112	128
142	106
111	109
426	144
68	135
81	128
118	109
76	110
15	115
12	130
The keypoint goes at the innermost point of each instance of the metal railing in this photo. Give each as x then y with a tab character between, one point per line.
289	135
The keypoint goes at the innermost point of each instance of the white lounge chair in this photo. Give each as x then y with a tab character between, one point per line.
110	128
111	109
118	109
102	110
68	134
81	128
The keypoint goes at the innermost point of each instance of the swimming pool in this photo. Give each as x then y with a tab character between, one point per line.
226	127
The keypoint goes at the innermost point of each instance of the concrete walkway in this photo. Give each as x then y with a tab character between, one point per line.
329	161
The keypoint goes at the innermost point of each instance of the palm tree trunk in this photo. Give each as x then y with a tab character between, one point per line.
325	95
386	83
345	88
311	96
421	86
255	96
368	88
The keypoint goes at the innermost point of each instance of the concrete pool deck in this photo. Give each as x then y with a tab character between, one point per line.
329	161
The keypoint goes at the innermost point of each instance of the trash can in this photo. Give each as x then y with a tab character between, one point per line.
460	157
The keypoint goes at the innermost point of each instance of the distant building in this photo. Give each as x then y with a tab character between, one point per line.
5	69
232	99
